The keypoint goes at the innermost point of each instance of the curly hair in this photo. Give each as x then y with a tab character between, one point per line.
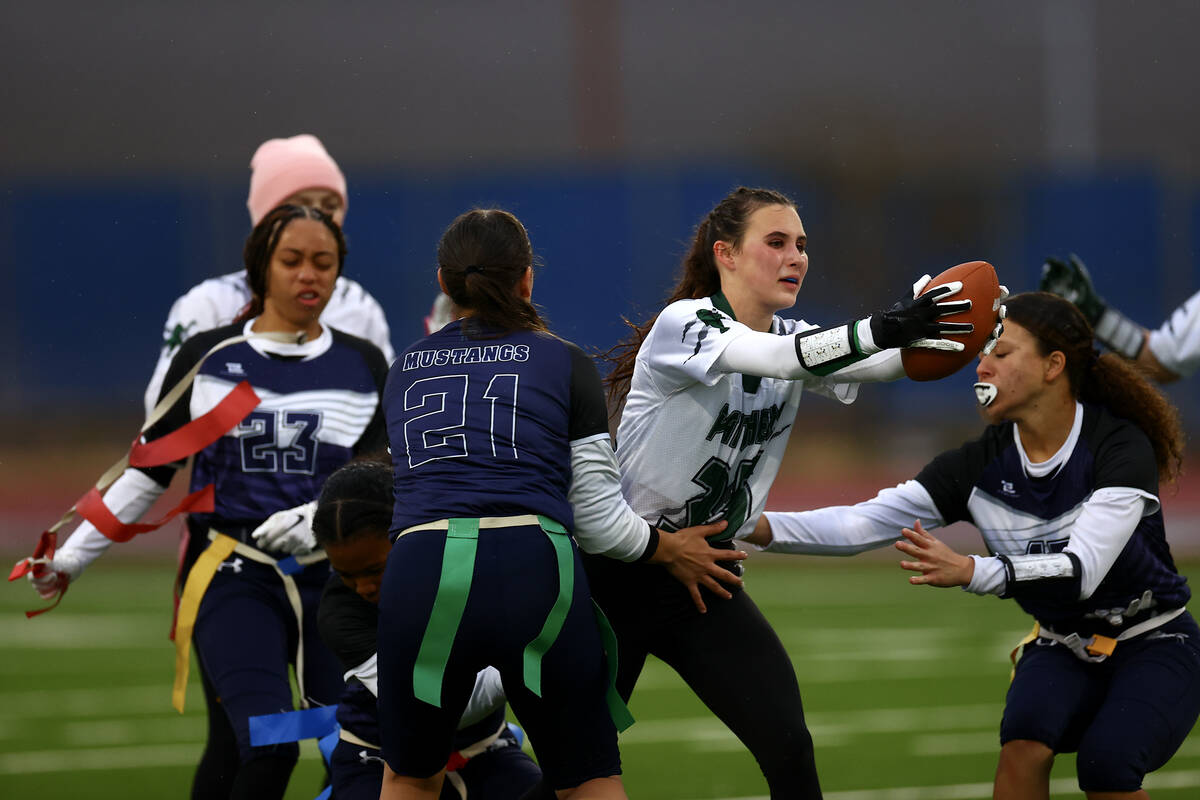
1106	380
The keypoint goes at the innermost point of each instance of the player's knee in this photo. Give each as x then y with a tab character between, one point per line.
1109	769
267	774
792	767
1025	757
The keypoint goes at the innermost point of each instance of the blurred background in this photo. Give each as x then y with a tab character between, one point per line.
913	137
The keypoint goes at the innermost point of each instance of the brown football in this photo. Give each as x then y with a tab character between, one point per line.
982	287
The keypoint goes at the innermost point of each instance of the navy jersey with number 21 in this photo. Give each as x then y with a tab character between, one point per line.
482	427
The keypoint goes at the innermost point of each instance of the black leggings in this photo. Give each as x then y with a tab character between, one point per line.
652	613
221	774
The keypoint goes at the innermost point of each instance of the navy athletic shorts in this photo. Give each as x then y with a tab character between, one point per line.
514	586
1125	716
245	636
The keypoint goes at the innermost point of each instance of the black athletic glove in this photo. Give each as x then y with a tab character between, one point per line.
1070	279
917	321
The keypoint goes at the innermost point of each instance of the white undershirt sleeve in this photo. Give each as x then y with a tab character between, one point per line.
486	698
1102	530
989	576
847	530
1098	535
367	674
129	497
604	522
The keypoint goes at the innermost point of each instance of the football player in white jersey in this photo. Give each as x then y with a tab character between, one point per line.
1063	486
1166	354
293	171
712	386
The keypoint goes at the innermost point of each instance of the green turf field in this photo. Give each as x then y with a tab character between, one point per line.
903	687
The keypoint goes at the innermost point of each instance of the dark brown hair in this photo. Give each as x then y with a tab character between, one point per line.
483	255
1105	380
700	277
261	243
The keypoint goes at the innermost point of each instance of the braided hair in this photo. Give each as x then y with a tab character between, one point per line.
356	501
261	244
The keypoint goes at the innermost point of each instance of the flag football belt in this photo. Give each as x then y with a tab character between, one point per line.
458	759
1097	648
198	579
454	585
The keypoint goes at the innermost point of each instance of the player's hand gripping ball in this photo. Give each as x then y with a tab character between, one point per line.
979	285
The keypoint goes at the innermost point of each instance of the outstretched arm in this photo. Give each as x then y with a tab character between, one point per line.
911	322
846	530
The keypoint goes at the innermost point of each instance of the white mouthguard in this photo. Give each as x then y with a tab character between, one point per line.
985	393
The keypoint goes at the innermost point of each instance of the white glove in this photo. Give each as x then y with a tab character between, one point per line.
50	576
1001	312
288	531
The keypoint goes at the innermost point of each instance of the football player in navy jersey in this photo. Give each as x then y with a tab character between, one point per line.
502	461
296	170
1063	486
319	392
351	525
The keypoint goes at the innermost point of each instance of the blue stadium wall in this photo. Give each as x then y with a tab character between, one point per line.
94	266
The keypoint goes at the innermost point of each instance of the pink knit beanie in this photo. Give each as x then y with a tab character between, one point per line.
282	167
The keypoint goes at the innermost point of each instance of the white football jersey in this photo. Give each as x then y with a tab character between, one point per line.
1176	344
696	445
216	301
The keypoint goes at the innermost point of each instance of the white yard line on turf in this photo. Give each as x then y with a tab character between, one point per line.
109	758
118	700
101	758
1176	779
86	631
825	724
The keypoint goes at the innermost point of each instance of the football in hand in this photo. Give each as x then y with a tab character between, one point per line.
981	286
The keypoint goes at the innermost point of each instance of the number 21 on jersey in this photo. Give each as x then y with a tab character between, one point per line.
455	416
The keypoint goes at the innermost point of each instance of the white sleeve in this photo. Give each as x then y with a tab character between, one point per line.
367	674
129	497
842	385
847	530
764	354
486	698
989	577
687	340
1098	535
1176	344
375	326
604	522
1103	528
198	310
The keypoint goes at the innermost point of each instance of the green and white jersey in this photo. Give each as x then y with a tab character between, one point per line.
696	444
